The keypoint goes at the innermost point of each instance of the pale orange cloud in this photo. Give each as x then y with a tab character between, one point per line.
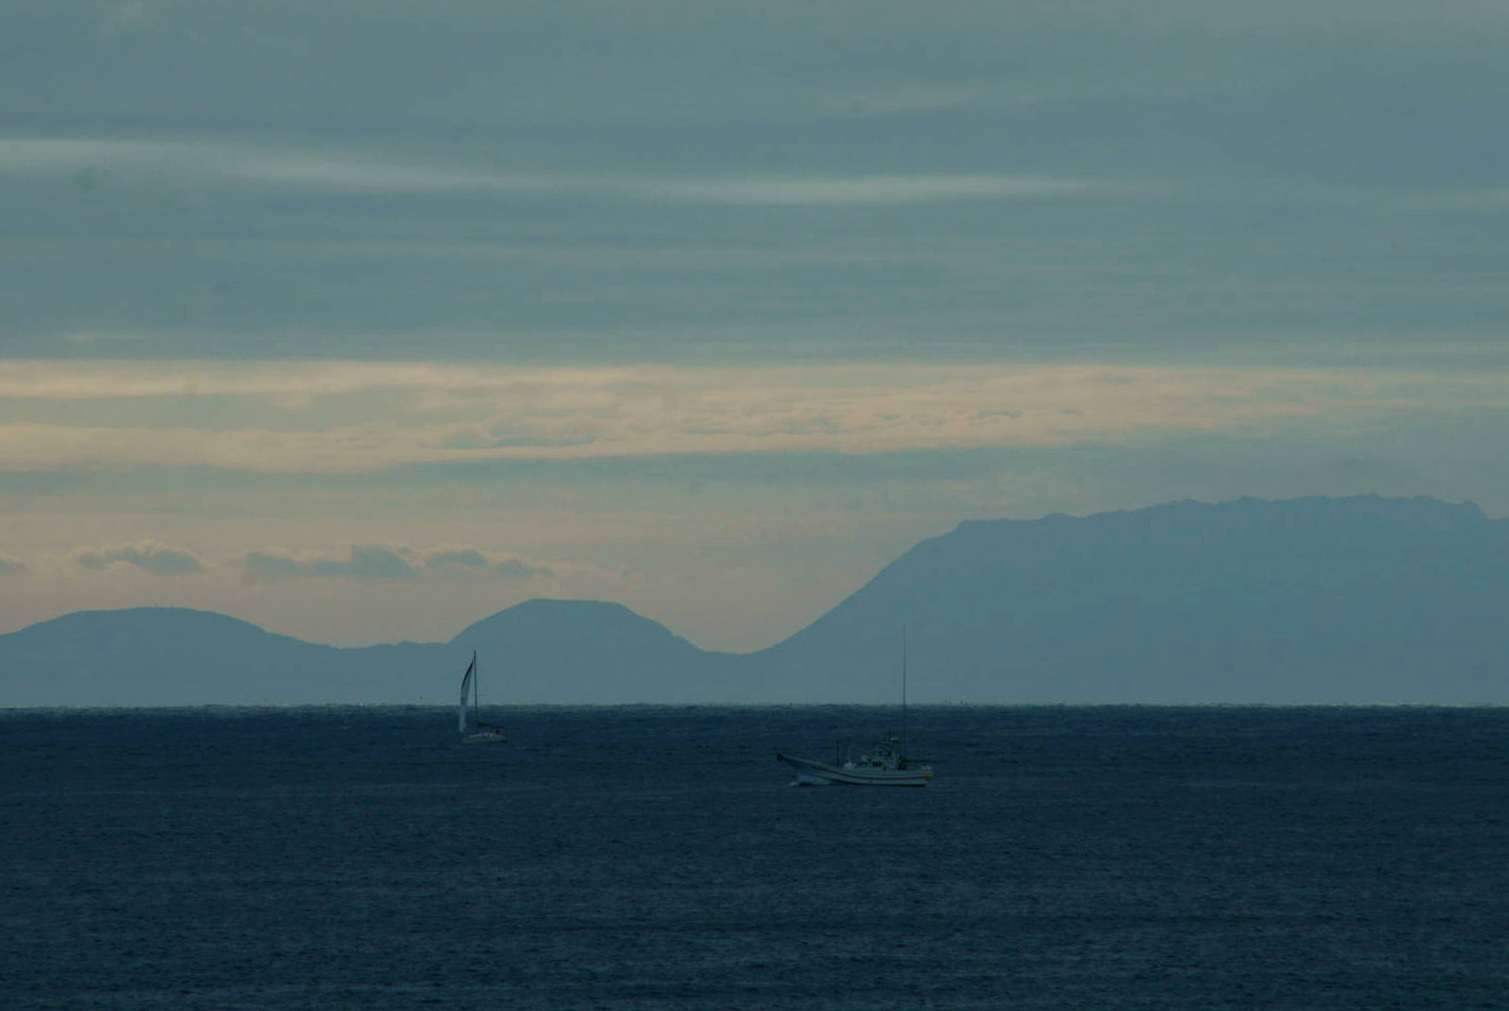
392	414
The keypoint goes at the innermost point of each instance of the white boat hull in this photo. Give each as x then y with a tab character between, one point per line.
486	738
810	772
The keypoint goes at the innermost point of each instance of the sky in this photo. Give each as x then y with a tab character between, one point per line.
362	320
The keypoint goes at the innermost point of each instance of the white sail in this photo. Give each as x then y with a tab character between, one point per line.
466	689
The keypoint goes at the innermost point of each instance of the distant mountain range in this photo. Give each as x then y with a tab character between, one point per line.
1314	600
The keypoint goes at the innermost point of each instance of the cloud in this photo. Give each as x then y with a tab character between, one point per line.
355	418
899	100
510	566
271	565
466	557
390	562
12	567
212	161
131	17
208	161
869	190
362	562
147	556
367	562
1485	199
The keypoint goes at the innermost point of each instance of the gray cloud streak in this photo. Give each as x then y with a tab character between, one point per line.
149	557
188	161
388	562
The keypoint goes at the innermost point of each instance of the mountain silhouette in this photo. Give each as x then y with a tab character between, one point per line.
1314	600
1311	600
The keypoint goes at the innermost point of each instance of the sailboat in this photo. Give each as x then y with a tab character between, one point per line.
885	764
473	729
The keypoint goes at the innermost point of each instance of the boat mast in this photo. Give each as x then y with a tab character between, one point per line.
476	692
904	748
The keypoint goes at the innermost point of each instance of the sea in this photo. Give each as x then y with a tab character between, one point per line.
650	857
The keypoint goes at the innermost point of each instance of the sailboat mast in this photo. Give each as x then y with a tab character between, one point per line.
476	691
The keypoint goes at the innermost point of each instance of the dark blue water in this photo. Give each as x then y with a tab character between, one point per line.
655	858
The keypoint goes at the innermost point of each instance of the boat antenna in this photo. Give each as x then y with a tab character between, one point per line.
904	748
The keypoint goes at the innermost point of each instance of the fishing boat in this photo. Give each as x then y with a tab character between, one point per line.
473	729
885	764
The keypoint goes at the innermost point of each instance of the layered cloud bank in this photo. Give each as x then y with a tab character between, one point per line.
359	417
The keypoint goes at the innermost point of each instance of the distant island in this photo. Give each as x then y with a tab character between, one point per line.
1356	600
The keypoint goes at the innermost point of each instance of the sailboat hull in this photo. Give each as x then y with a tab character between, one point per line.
810	772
